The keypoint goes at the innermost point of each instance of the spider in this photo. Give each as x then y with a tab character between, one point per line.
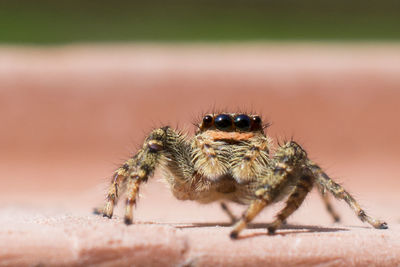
228	159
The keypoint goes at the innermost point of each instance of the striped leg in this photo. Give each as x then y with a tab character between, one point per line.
252	211
147	160
228	212
133	190
340	193
294	201
289	159
328	205
136	170
116	188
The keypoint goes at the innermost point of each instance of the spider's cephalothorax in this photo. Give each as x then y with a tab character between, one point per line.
228	159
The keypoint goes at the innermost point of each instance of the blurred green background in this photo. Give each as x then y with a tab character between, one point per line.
52	21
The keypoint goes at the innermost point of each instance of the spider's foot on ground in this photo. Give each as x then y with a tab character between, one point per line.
273	226
382	225
234	235
271	230
98	211
127	221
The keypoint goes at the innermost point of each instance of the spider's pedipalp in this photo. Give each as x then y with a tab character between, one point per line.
251	160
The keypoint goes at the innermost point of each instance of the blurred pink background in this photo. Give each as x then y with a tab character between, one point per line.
71	114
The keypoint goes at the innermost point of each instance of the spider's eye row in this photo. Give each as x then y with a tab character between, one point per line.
223	122
227	122
207	121
242	122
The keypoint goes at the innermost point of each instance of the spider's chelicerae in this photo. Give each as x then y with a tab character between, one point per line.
228	159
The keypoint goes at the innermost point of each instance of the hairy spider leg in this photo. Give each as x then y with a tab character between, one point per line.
162	144
340	193
328	205
228	212
296	198
146	162
116	188
288	159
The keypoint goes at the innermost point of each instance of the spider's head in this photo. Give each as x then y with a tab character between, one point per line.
232	126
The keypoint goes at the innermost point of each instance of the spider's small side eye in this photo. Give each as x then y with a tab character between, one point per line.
207	121
256	123
223	122
242	122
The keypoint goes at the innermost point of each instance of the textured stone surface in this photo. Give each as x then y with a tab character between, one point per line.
39	236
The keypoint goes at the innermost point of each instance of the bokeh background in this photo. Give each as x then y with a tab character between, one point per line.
82	82
59	22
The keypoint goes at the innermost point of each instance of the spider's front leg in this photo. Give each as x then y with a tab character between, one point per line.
116	188
288	169
135	171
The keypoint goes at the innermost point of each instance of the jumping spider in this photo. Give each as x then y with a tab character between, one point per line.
228	159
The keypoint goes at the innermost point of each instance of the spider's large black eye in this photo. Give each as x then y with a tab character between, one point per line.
242	122
223	122
256	121
207	121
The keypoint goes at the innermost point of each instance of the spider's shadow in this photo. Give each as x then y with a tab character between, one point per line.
293	229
